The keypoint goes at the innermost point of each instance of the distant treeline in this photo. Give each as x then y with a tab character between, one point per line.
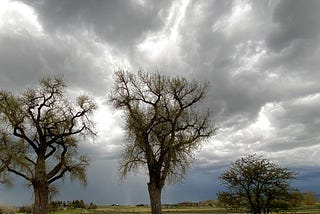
61	205
206	203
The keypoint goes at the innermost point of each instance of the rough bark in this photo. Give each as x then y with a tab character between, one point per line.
155	197
40	185
41	191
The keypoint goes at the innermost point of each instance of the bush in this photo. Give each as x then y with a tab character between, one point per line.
26	209
92	206
56	205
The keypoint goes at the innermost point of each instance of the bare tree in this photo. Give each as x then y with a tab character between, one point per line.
258	182
39	130
163	126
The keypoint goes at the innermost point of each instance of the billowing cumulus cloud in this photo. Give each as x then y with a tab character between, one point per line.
260	57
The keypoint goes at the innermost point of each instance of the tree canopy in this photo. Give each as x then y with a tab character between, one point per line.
163	124
257	183
39	136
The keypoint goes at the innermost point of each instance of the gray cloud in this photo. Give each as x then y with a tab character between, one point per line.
117	22
25	58
260	57
295	20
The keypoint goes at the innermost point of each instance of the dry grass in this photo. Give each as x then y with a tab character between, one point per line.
172	210
6	209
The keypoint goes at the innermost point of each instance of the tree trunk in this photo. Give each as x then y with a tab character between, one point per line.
155	197
41	192
256	211
40	186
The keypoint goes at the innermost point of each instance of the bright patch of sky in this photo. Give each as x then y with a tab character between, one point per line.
165	43
18	18
237	20
248	55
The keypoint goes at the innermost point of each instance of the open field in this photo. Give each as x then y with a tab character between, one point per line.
169	210
182	210
142	210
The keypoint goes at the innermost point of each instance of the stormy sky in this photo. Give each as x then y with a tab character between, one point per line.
260	57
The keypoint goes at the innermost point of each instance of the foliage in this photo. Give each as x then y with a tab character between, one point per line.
92	206
309	198
77	204
231	201
69	205
295	198
256	183
39	136
163	125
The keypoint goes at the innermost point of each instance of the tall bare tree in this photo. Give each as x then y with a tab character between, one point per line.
163	126
39	136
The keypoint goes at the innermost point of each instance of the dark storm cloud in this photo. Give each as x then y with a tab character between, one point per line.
235	48
26	58
295	20
216	51
297	124
198	186
240	88
260	57
107	189
46	59
18	67
117	22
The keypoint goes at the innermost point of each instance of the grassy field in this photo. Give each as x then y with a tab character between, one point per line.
141	210
173	210
146	209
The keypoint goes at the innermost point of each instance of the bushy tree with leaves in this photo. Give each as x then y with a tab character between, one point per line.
39	131
309	198
163	126
257	181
